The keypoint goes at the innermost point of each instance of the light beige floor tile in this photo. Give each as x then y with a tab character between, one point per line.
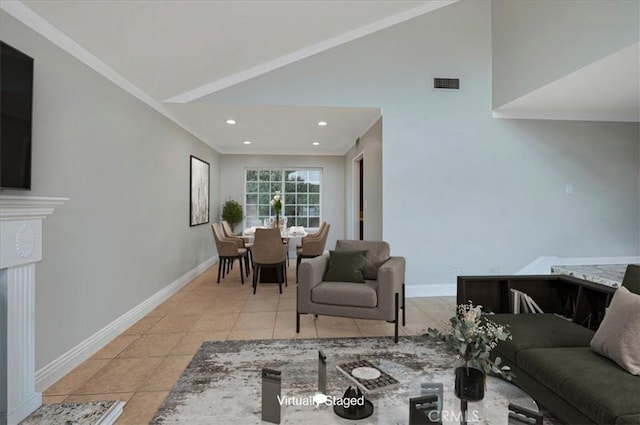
306	332
287	320
264	320
165	308
342	332
177	297
449	300
334	322
189	308
171	323
215	321
266	291
415	315
224	307
120	376
203	296
76	378
144	324
51	399
382	329
415	329
152	345
423	300
253	306
166	375
192	341
141	408
244	334
287	304
82	398
115	347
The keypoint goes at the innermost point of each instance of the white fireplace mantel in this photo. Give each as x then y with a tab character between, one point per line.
20	249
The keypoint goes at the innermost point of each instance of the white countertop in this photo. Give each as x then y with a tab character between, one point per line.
605	274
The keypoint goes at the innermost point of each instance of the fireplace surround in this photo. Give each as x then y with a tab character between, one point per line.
20	249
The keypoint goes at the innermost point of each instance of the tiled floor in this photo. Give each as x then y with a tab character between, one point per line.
142	364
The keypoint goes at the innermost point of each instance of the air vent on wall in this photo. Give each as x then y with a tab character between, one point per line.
446	83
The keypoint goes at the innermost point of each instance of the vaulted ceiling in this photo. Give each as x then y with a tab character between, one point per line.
177	56
172	53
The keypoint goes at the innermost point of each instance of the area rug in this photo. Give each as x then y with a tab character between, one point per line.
90	413
223	383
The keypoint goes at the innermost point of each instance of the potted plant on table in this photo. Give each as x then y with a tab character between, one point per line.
471	337
232	213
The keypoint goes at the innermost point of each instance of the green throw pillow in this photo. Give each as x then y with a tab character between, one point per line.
346	266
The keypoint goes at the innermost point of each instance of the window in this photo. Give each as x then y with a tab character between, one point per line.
300	190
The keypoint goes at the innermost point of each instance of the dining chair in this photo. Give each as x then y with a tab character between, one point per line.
228	251
312	247
269	252
313	235
242	242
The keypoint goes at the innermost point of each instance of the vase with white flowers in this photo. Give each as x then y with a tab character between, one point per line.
276	203
471	337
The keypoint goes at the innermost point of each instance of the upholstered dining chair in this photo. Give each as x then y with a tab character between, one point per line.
315	235
312	247
242	242
228	251
268	251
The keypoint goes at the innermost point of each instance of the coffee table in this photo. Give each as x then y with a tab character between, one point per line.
392	406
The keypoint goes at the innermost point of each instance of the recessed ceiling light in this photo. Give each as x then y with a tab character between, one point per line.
230	122
316	143
247	142
322	123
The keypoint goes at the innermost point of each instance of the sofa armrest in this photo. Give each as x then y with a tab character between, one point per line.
390	280
310	273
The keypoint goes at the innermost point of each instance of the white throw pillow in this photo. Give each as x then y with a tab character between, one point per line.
618	336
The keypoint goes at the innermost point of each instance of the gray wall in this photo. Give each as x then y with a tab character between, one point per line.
370	145
232	171
460	188
537	42
125	233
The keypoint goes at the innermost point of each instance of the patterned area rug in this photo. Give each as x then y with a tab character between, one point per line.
222	384
92	413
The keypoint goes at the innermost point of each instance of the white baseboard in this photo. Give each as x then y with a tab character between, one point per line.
59	367
435	290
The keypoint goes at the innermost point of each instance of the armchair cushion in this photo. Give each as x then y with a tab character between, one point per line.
378	252
346	294
346	266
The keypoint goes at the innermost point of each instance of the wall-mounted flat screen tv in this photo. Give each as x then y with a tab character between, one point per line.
16	99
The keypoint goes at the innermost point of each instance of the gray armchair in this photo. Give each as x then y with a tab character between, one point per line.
380	297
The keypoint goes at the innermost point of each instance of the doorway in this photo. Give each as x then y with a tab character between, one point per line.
358	190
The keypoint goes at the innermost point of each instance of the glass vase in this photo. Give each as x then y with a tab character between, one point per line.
470	383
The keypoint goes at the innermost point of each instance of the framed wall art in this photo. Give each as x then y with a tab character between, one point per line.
199	205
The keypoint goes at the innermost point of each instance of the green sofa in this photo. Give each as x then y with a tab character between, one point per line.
553	362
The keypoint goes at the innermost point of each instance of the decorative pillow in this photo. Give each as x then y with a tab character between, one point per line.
618	336
378	253
346	266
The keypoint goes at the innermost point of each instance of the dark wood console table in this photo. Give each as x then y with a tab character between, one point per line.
578	300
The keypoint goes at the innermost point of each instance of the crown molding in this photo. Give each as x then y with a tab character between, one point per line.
28	17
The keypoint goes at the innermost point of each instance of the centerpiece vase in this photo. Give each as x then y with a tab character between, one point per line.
470	383
276	223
